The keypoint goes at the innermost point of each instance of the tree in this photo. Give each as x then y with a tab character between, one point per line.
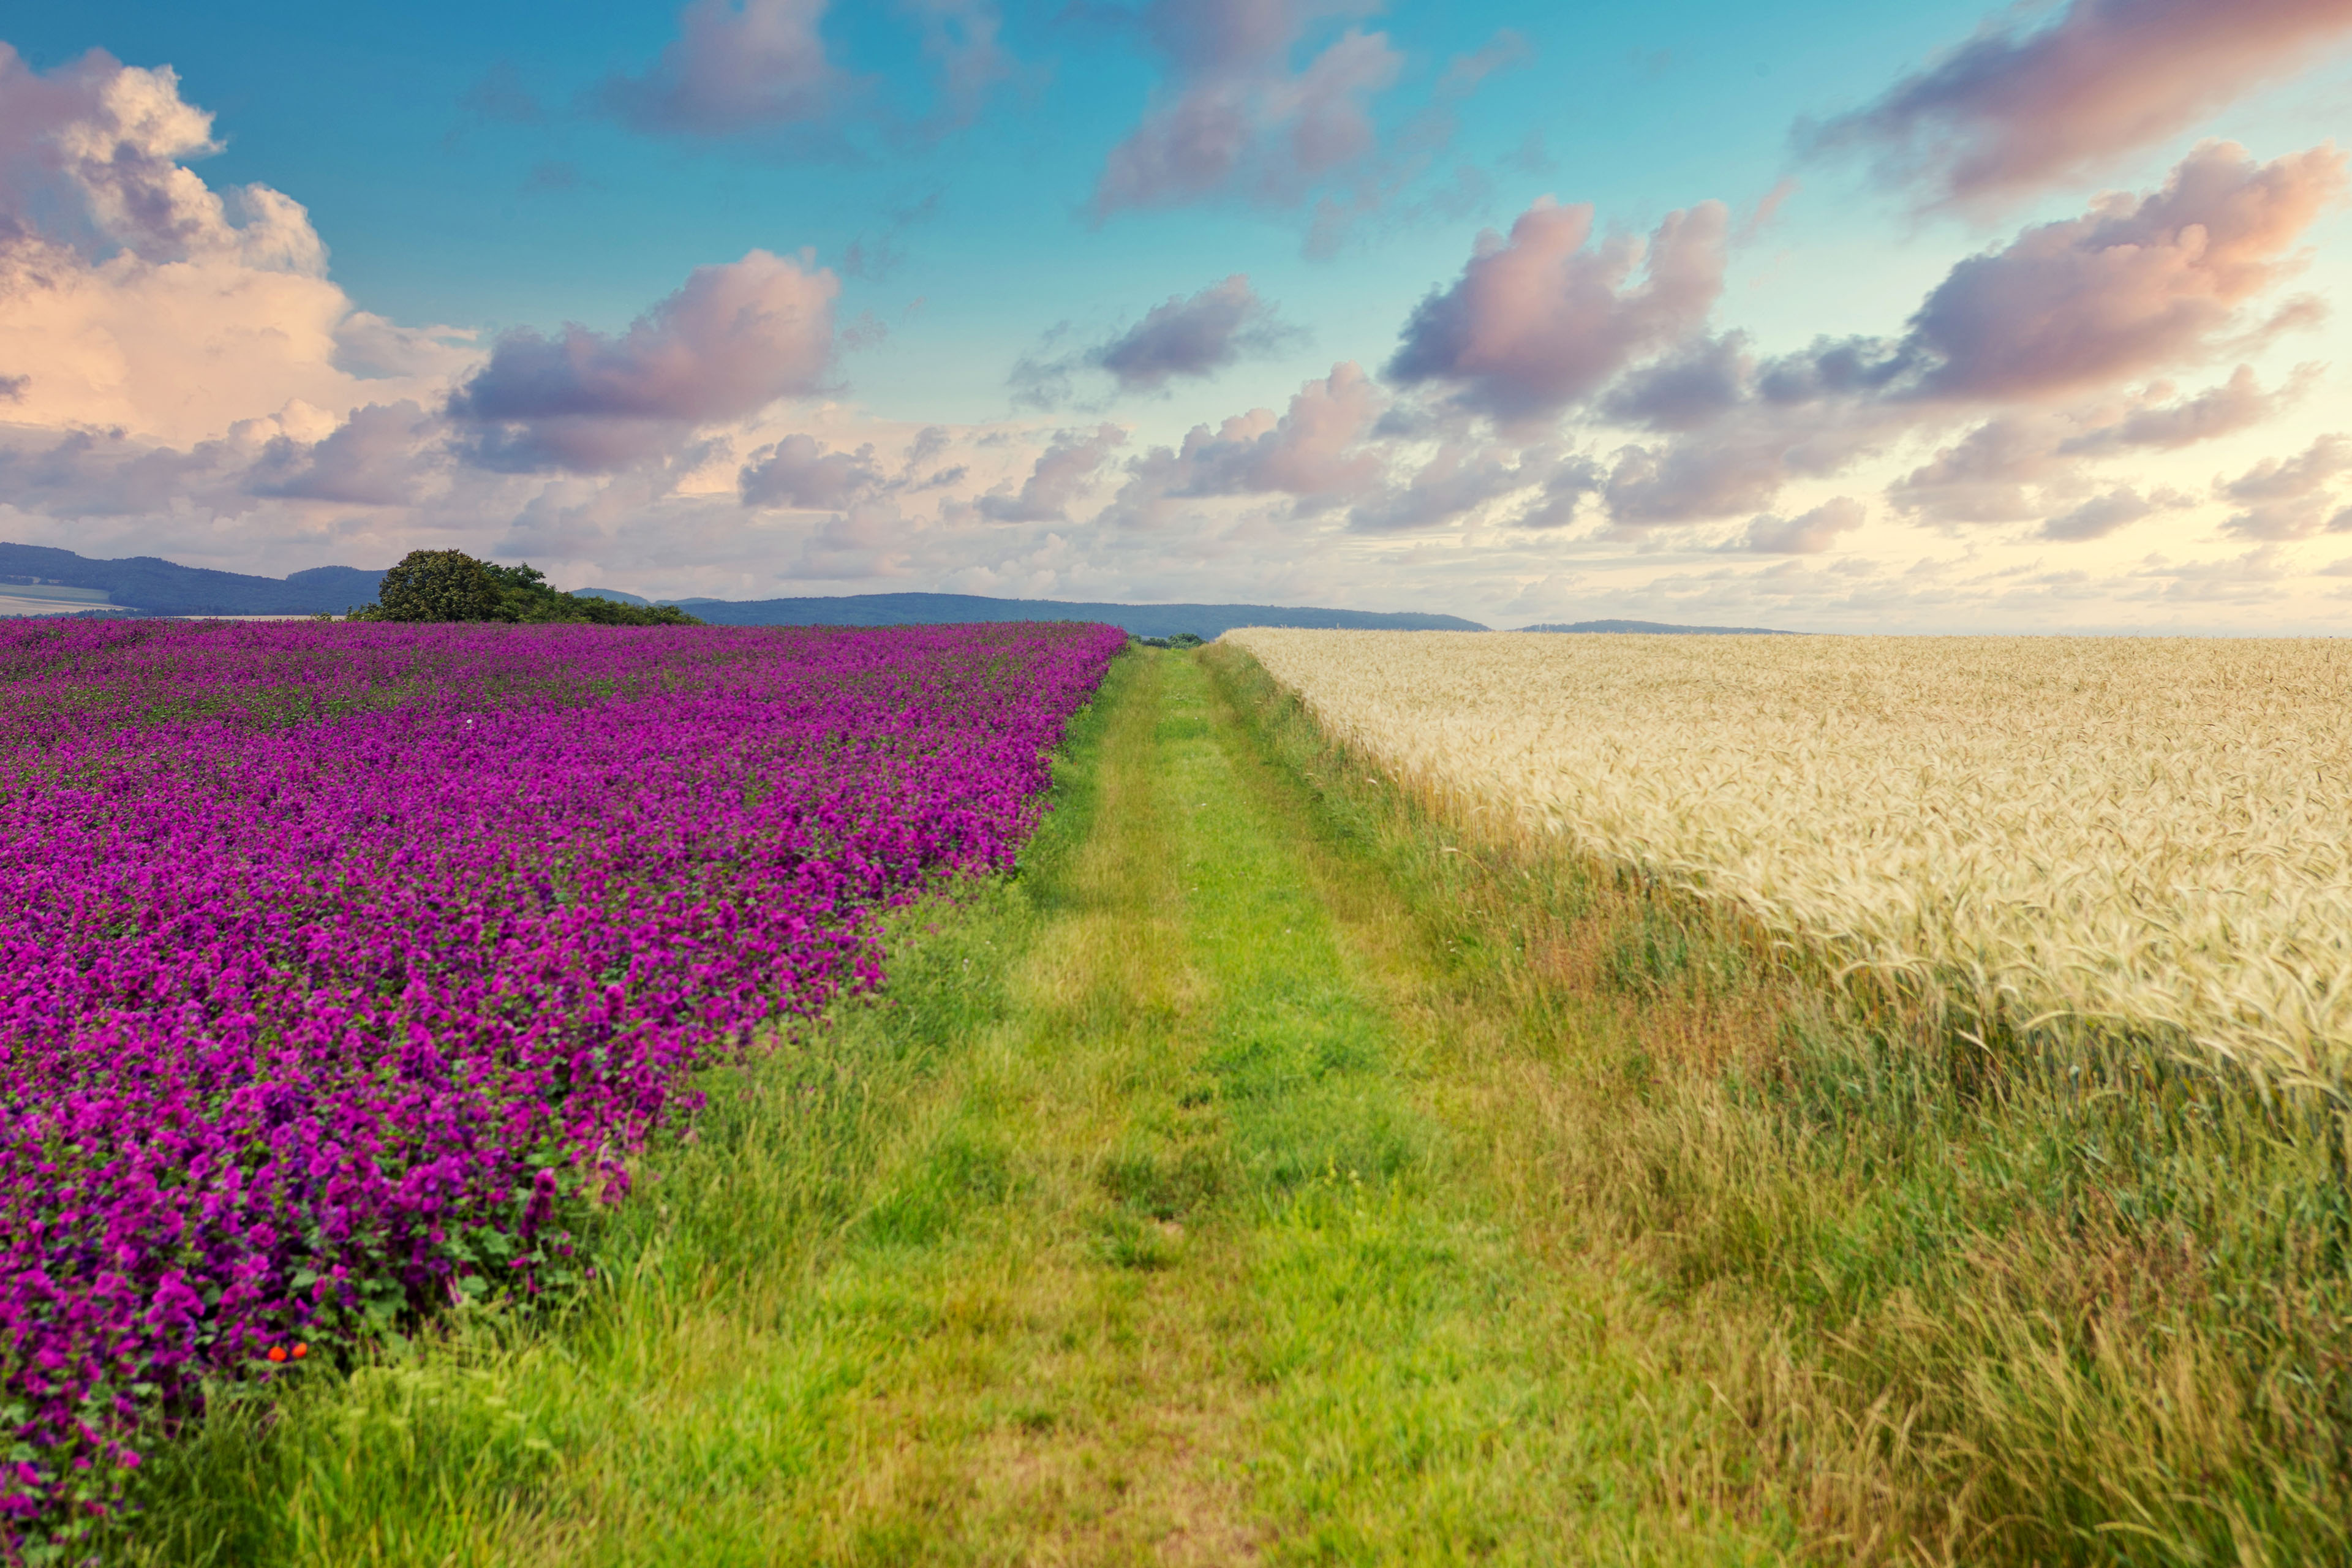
451	586
438	585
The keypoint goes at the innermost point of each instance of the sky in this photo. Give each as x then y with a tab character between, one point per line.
1825	315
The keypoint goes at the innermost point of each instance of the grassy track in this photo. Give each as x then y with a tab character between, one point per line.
1139	1224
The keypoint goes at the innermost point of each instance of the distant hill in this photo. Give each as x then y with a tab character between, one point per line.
1142	620
165	589
1661	627
146	585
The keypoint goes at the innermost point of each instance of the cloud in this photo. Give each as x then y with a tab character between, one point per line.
382	455
2102	515
732	339
1508	48
1238	116
1458	481
2129	286
2238	404
2011	112
2291	498
1692	480
960	38
1810	533
1540	321
736	67
112	142
868	540
1314	452
798	472
1193	337
1063	471
2065	311
1687	389
2021	464
134	295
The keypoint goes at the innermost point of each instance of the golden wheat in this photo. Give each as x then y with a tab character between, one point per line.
2072	832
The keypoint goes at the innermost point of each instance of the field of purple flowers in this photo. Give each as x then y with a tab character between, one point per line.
337	961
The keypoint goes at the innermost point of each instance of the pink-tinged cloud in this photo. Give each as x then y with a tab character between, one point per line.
798	472
382	455
2023	463
2291	497
2238	404
134	297
2013	110
1063	473
2130	286
736	67
1314	452
93	155
1807	533
1542	320
1237	116
2065	311
1461	480
1192	337
868	540
733	340
1692	479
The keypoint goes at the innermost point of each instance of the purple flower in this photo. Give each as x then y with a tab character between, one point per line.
328	954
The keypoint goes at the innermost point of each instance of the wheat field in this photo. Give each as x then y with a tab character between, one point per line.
2148	836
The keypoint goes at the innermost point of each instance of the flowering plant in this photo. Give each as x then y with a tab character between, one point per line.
335	959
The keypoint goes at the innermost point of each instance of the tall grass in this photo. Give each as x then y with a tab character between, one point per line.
1984	1291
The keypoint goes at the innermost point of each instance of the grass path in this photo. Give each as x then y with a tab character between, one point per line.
1149	1222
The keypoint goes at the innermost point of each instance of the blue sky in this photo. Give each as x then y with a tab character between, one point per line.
483	170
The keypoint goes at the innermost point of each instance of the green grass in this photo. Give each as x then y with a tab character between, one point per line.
1121	1231
2002	1301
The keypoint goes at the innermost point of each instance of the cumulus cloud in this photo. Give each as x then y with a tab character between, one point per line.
2238	404
1063	473
799	472
1807	533
734	339
1541	320
2021	464
868	540
2024	344
382	455
1693	481
2013	110
2128	287
1192	337
1314	452
2291	498
134	295
114	140
1462	478
736	66
1234	114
